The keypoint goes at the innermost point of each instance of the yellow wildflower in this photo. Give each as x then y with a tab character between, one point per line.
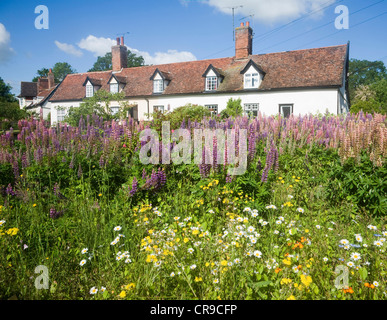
306	280
122	294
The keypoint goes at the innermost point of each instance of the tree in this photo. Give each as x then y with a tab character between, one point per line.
10	111
98	104
40	74
364	72
233	108
105	63
60	70
5	92
371	98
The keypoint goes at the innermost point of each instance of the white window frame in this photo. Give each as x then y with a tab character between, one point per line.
158	85
211	83
287	105
89	90
158	108
251	107
251	80
114	88
61	115
114	110
213	108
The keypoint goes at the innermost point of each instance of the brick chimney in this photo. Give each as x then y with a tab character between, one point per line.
243	41
51	79
119	55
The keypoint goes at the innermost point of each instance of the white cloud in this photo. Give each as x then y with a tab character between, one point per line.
170	56
69	48
100	46
272	11
6	52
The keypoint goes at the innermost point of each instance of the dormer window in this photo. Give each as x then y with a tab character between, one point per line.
213	78
114	87
158	85
160	81
89	90
116	83
92	85
251	80
211	83
252	75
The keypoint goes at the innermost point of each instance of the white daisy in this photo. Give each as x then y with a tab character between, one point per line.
118	228
82	262
84	250
93	290
257	253
355	256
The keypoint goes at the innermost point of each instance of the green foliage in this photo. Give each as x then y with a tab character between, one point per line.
60	70
5	92
105	63
98	104
41	73
375	100
233	108
364	72
189	112
363	184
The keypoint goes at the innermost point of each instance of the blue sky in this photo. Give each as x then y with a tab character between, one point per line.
178	30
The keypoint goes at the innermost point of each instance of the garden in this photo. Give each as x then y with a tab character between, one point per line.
81	217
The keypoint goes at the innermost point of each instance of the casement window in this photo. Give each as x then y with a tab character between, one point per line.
251	109
61	114
114	110
158	86
89	90
285	110
114	87
213	108
251	80
211	83
158	108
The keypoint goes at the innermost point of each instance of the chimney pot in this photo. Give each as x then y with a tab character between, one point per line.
122	41
118	41
243	41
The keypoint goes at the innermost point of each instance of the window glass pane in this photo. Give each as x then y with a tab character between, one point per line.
89	91
114	88
251	109
251	80
158	86
286	110
211	83
61	114
213	108
114	110
158	108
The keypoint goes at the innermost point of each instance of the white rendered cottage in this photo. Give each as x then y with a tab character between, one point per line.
298	82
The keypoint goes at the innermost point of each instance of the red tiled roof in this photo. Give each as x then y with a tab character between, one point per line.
321	67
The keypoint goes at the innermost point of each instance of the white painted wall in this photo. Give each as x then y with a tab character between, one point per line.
304	101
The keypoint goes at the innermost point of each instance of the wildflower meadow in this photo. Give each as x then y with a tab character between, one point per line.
81	217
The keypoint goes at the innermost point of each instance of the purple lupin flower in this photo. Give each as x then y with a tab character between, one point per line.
79	171
9	190
134	187
162	177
